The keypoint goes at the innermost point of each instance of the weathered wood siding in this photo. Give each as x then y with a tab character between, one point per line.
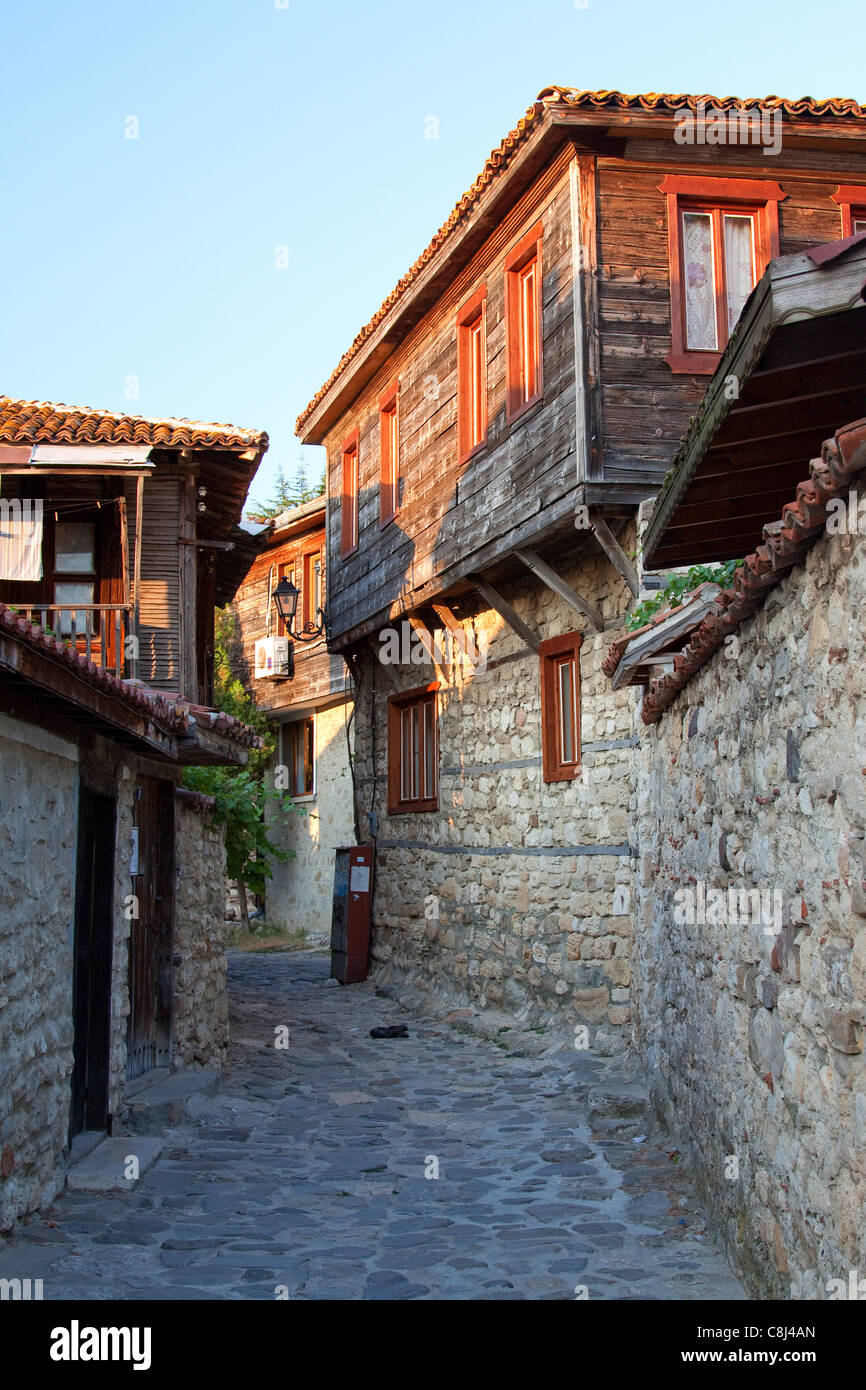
159	629
524	475
318	674
520	489
646	406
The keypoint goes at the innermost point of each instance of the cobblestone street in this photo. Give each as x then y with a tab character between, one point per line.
307	1171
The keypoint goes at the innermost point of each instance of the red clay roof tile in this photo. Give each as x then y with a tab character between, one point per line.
43	422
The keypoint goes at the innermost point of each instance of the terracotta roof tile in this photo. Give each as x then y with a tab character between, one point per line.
500	158
785	545
174	715
43	422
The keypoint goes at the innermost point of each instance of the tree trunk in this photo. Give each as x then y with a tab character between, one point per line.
242	903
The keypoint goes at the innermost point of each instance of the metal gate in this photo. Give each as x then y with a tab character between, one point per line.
151	928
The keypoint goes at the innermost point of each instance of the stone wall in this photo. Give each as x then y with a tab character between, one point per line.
753	1029
200	1016
301	892
38	837
515	894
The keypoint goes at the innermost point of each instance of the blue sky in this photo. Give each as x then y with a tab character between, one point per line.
151	263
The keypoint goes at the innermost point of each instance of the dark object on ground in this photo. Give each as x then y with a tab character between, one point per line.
396	1030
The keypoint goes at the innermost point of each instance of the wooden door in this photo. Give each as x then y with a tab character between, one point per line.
91	1007
152	931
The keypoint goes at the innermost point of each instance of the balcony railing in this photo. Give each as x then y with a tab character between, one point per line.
97	629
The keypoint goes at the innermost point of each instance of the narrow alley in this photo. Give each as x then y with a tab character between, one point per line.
436	1166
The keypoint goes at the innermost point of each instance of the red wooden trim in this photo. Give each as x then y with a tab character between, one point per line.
524	250
684	192
722	190
852	203
349	532
388	405
527	249
470	311
548	651
424	694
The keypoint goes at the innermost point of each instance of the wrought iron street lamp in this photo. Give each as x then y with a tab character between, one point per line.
286	604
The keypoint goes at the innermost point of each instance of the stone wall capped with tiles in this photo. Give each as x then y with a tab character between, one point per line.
752	1021
514	894
38	835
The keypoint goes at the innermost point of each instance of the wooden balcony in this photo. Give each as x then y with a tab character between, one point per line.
99	630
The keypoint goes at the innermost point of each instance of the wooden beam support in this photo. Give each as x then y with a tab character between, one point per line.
135	665
425	637
548	576
614	551
390	673
447	617
506	612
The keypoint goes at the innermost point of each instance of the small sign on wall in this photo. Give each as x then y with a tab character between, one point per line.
133	851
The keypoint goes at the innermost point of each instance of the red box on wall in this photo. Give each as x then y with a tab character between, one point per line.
350	920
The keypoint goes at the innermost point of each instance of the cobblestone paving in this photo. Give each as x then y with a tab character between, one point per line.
307	1171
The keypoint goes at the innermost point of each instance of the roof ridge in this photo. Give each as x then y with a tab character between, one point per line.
501	156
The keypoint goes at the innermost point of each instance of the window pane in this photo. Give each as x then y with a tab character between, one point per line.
73	595
477	383
429	750
405	755
528	331
308	757
74	544
699	285
566	712
859	225
300	779
739	264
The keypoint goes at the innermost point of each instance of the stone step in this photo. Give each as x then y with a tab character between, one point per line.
164	1102
106	1168
619	1100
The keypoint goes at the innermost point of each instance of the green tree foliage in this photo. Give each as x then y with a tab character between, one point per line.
678	586
242	794
287	493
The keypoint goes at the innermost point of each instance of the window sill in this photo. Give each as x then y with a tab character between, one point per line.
347	554
471	453
515	415
387	521
694	363
564	774
410	808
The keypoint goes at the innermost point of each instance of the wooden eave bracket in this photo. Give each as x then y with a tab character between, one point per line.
614	551
548	576
500	605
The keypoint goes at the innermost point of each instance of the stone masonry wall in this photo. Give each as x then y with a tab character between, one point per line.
38	836
201	1021
515	893
301	892
754	778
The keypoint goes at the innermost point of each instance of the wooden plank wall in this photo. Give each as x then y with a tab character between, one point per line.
317	674
447	512
646	407
159	632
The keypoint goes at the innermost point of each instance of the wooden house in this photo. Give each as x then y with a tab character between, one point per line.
310	697
117	535
489	436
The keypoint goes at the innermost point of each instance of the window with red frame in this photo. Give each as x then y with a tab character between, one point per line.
413	751
560	706
349	498
299	742
852	205
311	592
472	374
722	234
389	456
523	323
